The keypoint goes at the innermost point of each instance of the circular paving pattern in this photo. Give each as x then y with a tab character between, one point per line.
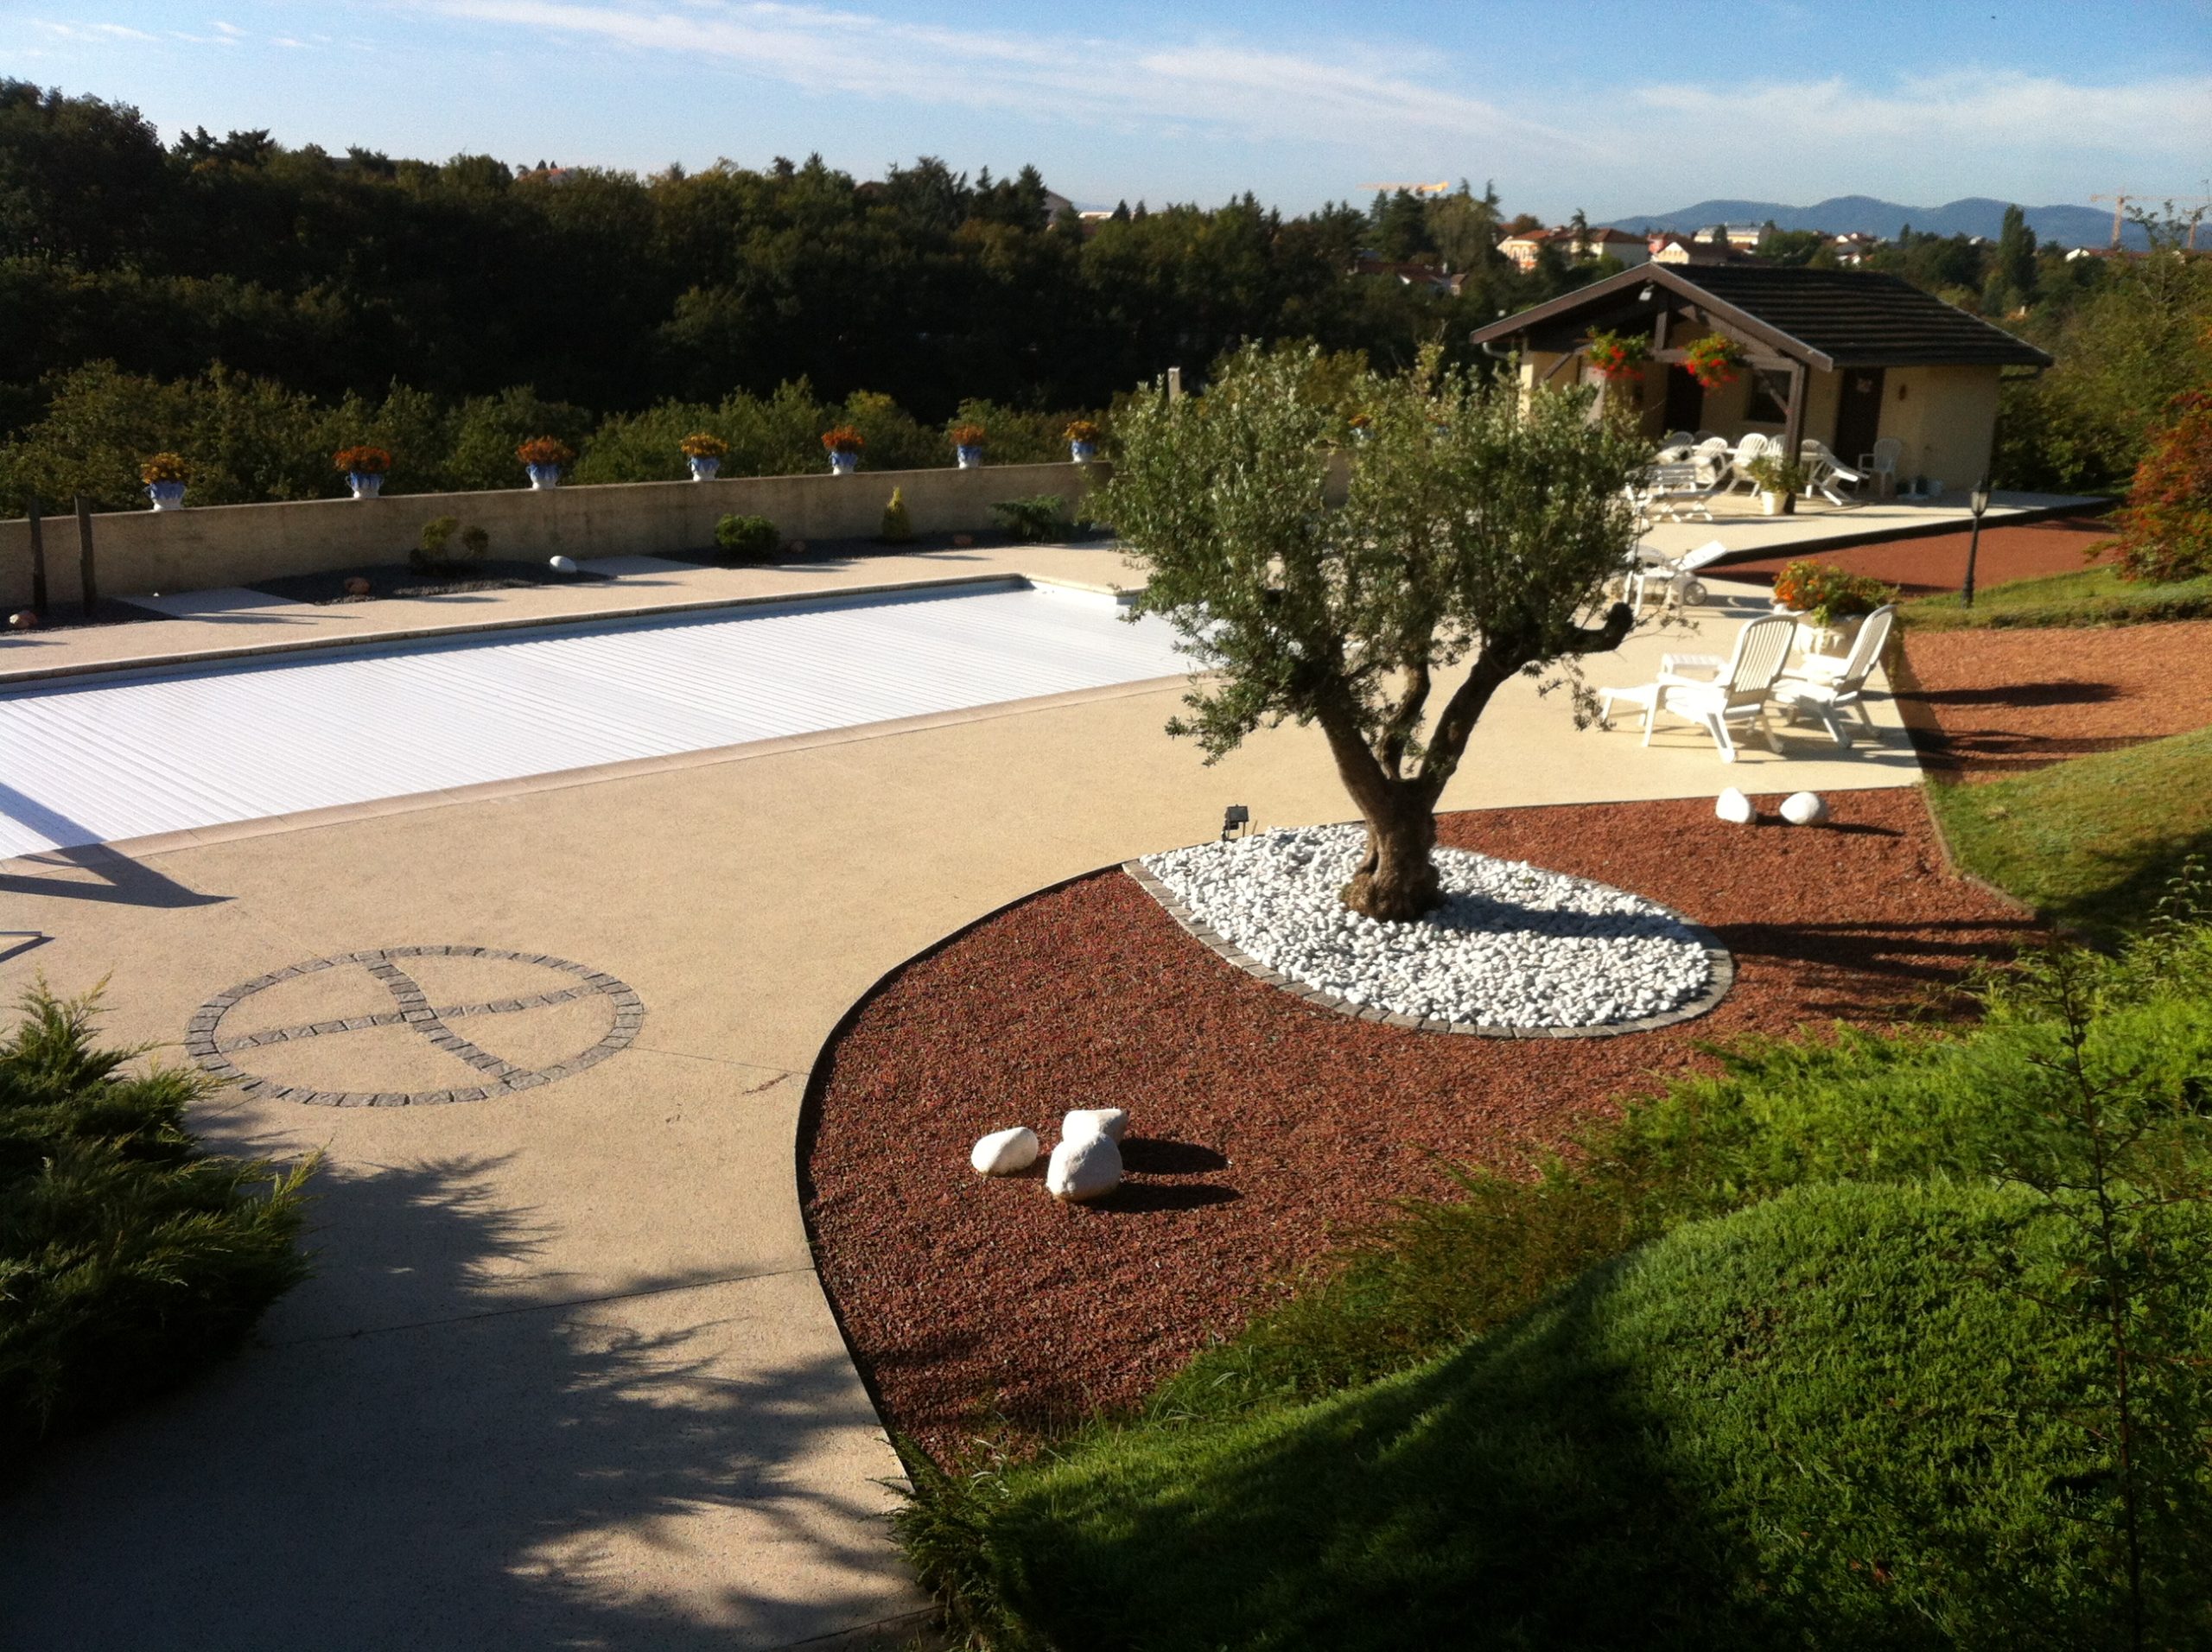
232	1057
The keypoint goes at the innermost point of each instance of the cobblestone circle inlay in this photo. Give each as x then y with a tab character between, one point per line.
205	1043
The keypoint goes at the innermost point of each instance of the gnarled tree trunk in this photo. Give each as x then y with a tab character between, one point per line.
1397	880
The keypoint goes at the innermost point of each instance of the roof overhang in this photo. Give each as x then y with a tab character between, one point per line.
1605	294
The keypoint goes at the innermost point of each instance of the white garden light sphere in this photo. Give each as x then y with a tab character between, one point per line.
1735	807
562	565
1804	809
1004	1152
1085	1168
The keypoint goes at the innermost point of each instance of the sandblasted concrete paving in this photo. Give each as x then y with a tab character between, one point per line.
565	1373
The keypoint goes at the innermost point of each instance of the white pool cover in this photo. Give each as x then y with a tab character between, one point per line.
97	760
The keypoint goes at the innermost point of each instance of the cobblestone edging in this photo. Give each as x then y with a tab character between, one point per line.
1717	960
412	1008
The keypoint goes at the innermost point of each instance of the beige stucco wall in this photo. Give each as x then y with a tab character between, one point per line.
1946	418
139	552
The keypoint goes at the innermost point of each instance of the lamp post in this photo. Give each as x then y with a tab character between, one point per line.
1978	502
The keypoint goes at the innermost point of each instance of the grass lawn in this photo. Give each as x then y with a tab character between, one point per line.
2090	841
2094	596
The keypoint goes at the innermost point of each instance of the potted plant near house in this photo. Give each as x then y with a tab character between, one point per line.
364	468
1828	599
542	456
1713	360
704	452
1779	477
1083	441
165	475
844	444
967	445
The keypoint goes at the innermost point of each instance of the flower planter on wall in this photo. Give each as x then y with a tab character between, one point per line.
843	464
1083	453
969	458
544	477
704	468
365	484
165	496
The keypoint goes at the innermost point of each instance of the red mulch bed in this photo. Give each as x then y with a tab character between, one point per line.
1984	704
1938	563
1259	1126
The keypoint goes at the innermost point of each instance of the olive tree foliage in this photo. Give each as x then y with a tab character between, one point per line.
1473	532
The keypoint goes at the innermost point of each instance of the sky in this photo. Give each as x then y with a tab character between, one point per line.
1636	107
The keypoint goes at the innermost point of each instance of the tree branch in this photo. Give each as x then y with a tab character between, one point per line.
1405	717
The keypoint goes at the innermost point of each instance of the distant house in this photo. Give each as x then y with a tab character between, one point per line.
1672	248
1844	356
1850	249
1521	249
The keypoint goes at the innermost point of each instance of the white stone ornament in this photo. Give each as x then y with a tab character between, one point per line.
1004	1152
1804	809
1735	807
1084	1168
563	564
1095	1120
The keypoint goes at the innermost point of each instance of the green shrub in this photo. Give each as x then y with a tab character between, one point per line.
130	1257
898	522
1043	516
442	534
750	538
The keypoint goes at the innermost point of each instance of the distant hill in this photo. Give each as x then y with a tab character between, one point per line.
1976	215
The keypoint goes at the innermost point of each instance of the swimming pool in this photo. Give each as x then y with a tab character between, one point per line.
113	757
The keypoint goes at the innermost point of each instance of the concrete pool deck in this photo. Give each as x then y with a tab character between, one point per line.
565	1375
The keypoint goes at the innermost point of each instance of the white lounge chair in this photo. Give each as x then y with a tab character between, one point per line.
1826	685
1826	474
1735	693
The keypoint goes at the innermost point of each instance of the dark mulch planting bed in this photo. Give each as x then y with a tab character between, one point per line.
1260	1127
399	579
1988	703
1938	561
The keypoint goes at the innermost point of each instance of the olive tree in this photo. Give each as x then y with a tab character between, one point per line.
1473	531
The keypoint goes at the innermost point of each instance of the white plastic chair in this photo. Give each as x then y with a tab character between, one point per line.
1825	474
1826	685
1739	463
1738	692
1882	464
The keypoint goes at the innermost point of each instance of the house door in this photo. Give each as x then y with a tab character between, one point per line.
1857	413
1685	400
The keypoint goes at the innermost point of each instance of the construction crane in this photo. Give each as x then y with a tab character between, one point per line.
2119	209
1442	187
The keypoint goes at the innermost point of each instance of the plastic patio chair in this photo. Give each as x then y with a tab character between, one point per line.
1739	463
1826	685
1882	464
1737	693
1826	474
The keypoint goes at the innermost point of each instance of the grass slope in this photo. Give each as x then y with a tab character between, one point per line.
2091	841
2094	596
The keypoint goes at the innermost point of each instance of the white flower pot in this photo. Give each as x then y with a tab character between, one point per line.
165	496
1770	504
843	464
704	466
544	478
365	484
1083	453
970	458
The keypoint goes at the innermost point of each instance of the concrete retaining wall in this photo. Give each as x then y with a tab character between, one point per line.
140	552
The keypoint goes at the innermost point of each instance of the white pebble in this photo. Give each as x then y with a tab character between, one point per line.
1804	809
1095	1120
1735	807
1084	1168
1512	945
563	564
1004	1152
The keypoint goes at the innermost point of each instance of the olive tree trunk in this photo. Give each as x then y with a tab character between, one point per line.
1397	879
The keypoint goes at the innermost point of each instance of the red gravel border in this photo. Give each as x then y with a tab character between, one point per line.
1922	565
1260	1127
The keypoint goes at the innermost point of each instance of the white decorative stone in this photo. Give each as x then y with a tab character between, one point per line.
1804	809
1004	1152
1735	807
1511	945
1084	1168
1095	1120
563	564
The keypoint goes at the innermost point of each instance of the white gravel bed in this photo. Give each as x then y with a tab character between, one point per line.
1512	945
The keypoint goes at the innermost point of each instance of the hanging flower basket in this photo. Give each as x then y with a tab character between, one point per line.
1618	355
364	468
1714	360
844	444
165	475
542	456
703	451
